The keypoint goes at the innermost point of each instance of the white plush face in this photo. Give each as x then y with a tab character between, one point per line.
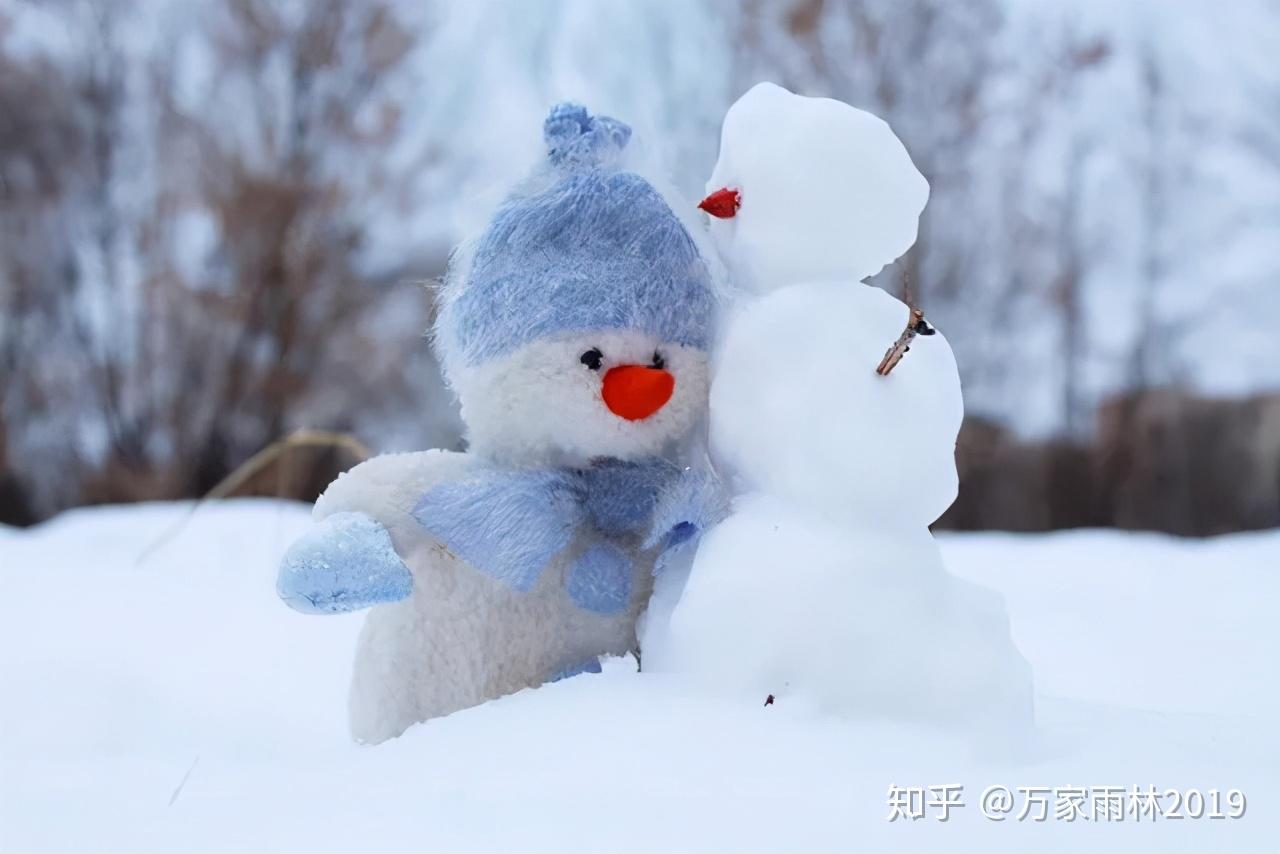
545	403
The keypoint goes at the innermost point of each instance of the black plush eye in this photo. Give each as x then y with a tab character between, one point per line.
658	361
593	358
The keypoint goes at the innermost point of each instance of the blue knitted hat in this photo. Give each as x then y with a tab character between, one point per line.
596	249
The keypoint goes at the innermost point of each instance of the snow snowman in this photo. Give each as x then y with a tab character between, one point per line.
575	333
825	581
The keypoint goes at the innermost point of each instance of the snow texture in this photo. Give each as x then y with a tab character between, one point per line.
1154	662
828	191
864	623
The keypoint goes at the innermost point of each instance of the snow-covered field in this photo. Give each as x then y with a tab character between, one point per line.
175	704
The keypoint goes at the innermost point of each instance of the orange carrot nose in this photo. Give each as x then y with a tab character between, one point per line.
634	392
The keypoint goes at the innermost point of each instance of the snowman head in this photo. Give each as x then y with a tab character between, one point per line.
577	325
810	189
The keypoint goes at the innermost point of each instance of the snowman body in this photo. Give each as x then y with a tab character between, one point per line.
825	580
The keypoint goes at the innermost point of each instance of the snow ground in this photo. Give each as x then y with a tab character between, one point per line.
1154	662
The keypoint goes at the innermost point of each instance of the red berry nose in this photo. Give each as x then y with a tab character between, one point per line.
634	392
723	203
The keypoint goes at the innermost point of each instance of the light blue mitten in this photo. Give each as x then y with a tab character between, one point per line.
690	505
347	562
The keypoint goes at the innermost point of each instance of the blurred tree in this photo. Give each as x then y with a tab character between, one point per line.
209	214
43	141
931	69
206	194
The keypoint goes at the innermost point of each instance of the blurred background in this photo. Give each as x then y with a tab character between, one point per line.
219	222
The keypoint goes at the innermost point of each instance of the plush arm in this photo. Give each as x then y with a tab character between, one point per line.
688	505
345	563
351	559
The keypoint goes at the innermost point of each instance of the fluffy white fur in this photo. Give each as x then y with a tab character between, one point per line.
462	637
542	406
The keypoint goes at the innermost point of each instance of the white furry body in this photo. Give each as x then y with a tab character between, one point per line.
462	637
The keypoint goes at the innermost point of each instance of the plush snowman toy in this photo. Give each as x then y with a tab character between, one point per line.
825	581
575	333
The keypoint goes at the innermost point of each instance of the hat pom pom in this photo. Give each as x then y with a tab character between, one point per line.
578	141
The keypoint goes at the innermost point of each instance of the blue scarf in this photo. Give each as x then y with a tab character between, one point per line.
510	523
